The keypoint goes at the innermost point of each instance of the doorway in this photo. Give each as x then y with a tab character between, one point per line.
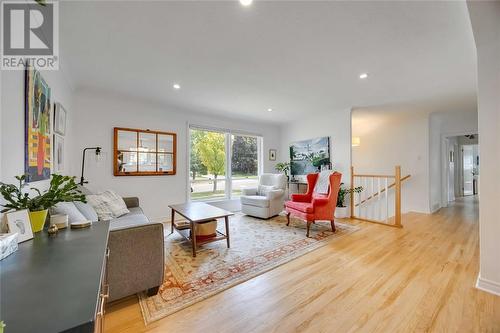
461	168
470	165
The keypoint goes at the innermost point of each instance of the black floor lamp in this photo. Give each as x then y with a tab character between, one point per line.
97	153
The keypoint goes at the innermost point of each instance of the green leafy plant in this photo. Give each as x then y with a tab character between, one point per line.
344	191
61	189
283	167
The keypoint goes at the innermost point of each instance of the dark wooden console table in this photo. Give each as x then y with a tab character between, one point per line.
55	284
195	213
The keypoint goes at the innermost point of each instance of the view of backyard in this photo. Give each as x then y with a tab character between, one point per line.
208	166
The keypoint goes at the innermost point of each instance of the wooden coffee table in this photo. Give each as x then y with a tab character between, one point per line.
198	213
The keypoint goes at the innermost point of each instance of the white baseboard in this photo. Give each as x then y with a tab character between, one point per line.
488	286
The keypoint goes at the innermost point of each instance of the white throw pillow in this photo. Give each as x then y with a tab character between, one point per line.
68	208
264	189
107	205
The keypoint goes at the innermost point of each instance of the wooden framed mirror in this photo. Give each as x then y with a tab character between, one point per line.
144	152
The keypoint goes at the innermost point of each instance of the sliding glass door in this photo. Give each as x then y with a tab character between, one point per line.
222	163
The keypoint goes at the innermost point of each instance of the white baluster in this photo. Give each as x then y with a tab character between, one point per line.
379	205
372	209
386	201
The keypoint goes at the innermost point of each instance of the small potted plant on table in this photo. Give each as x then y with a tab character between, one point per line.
341	210
61	189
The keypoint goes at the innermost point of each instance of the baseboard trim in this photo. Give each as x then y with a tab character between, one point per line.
488	286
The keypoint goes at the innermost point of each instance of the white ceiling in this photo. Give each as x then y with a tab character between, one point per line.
295	57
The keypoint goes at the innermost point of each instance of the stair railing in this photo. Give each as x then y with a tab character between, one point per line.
373	204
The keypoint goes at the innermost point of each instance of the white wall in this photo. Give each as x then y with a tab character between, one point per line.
336	125
96	113
12	124
393	136
442	125
485	18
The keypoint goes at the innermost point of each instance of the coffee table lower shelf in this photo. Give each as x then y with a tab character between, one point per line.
186	233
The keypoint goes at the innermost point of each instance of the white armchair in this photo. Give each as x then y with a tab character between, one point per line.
267	199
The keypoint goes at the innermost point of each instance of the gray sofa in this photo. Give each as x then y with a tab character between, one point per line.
136	248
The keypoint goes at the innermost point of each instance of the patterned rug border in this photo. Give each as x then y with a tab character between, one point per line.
216	289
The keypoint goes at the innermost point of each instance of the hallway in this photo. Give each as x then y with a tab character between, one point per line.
417	279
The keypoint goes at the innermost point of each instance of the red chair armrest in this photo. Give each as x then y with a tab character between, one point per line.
320	202
301	198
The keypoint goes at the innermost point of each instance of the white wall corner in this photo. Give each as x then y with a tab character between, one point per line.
488	286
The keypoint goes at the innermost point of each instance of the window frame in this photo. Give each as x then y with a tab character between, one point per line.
228	133
116	149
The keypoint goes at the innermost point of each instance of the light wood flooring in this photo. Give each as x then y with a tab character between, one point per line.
417	279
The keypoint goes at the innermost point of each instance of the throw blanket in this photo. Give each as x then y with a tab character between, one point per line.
323	182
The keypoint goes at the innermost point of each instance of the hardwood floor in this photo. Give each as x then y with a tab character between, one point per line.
417	279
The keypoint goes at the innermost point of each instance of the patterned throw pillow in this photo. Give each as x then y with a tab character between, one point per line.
115	203
323	183
100	206
107	205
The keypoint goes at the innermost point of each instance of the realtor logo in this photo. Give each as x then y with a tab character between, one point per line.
30	35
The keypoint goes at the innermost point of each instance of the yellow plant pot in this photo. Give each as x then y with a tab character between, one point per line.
37	219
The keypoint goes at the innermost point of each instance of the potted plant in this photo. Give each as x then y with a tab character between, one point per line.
341	211
61	189
283	167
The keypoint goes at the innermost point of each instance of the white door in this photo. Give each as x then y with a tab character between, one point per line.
468	167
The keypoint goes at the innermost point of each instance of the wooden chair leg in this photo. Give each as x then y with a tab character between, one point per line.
332	222
288	218
308	226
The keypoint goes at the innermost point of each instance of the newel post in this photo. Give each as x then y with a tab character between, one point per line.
397	216
351	196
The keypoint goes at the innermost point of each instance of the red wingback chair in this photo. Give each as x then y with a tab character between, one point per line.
312	206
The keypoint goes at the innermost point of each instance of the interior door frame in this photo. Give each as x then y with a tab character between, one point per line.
445	172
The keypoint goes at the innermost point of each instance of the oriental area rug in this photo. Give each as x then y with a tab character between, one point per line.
257	246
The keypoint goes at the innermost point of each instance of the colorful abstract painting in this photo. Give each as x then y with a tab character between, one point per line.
37	127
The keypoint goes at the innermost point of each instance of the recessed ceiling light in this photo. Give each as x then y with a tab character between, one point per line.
269	109
246	2
176	86
363	75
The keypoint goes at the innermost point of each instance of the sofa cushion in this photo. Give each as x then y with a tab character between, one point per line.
136	217
304	207
255	200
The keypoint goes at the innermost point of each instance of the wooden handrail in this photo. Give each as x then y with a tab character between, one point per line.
376	176
382	191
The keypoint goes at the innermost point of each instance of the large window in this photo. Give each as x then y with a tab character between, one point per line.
222	163
244	163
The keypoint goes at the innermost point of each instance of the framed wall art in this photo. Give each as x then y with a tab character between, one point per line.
37	159
272	154
59	119
58	153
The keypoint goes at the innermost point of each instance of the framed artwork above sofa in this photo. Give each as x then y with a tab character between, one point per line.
140	152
